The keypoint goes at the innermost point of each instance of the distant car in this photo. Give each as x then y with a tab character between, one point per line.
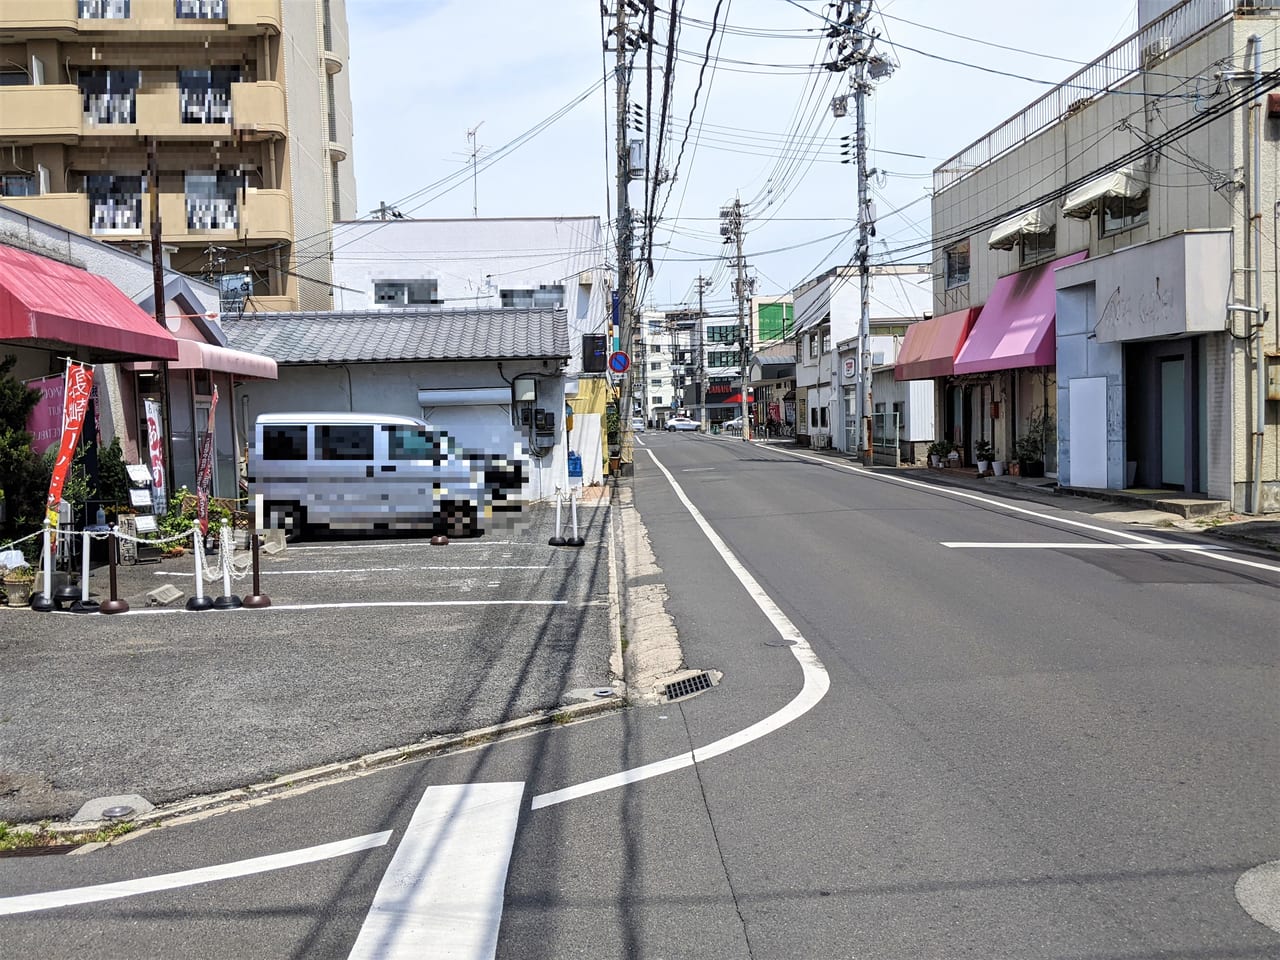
682	423
637	424
733	426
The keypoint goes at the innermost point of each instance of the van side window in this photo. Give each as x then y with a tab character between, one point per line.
284	443
348	441
411	443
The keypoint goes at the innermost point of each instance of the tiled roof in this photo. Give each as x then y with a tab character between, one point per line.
373	335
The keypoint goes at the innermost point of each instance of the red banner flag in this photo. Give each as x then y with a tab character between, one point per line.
75	405
204	476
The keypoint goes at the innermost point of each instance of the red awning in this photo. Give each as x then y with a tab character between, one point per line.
198	355
930	347
1016	328
44	303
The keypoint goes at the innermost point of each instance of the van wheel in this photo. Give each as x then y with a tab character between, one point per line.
289	517
458	519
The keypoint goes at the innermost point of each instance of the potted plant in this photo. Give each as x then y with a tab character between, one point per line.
982	451
1029	450
18	583
997	467
939	450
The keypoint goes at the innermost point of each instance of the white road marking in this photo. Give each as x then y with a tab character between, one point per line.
410	544
442	894
31	902
295	573
1258	892
816	680
1000	504
356	604
1157	547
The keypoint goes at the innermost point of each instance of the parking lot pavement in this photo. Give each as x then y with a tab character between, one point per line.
368	644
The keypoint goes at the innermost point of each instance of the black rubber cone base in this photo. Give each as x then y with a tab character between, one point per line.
84	606
199	603
113	606
439	541
40	602
557	542
576	542
227	603
256	601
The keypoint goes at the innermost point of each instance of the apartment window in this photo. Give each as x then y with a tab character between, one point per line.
822	416
110	96
200	9
204	96
18	185
333	109
722	358
813	417
657	401
103	10
115	202
813	345
655	365
545	297
211	200
14	78
328	25
1123	213
406	293
655	383
335	185
956	264
824	341
722	334
1034	247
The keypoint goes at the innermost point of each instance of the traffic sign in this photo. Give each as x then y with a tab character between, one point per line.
619	362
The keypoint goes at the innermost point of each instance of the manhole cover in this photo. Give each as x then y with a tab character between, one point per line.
779	642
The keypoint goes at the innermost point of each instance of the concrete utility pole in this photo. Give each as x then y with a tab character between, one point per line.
853	49
731	230
624	291
699	376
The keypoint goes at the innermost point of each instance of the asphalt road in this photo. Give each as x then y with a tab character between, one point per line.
1045	751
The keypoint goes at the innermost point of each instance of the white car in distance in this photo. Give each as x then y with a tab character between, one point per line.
682	423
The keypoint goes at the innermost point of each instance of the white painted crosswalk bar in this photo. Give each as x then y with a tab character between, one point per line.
441	897
32	902
1154	547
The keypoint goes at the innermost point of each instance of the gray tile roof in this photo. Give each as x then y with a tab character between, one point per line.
353	336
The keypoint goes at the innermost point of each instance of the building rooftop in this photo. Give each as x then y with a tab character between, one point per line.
367	336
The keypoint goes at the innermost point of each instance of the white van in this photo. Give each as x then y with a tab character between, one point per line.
372	472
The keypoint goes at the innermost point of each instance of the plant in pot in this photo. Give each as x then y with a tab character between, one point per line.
939	450
1029	450
613	436
982	451
18	582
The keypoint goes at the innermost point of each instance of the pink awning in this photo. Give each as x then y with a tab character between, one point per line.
1016	327
930	346
197	355
44	303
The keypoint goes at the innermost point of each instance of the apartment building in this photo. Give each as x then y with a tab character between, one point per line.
1105	267
241	107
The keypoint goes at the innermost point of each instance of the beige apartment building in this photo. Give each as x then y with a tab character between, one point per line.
1105	267
244	103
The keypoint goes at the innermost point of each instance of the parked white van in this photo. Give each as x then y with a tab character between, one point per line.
371	472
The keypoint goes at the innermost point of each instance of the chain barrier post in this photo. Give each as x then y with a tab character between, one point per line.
575	540
257	599
113	604
84	604
43	601
199	601
557	540
228	600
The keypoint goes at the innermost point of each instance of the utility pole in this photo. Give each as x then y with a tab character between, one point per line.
158	308
699	376
624	293
731	230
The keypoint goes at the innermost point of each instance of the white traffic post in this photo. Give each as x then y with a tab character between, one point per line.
84	604
557	540
199	601
575	540
44	601
228	600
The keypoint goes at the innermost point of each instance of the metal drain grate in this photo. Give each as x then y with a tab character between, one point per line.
688	686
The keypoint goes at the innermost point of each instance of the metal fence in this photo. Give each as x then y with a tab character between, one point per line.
1113	68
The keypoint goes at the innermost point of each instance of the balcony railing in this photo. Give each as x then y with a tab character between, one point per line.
1115	67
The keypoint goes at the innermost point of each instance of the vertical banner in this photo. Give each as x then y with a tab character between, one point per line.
156	445
45	421
204	473
79	383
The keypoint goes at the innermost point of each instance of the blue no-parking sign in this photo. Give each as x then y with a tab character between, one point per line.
619	362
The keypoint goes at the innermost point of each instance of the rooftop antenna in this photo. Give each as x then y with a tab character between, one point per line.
475	153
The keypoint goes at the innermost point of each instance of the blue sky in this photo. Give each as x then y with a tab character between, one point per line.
424	73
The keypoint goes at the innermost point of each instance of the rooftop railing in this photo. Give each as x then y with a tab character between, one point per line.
1118	65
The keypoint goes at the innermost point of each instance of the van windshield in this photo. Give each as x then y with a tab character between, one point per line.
411	443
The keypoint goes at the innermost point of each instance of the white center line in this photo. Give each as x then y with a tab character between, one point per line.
442	894
1154	547
31	902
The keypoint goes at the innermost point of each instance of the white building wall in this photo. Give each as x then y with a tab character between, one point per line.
472	260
